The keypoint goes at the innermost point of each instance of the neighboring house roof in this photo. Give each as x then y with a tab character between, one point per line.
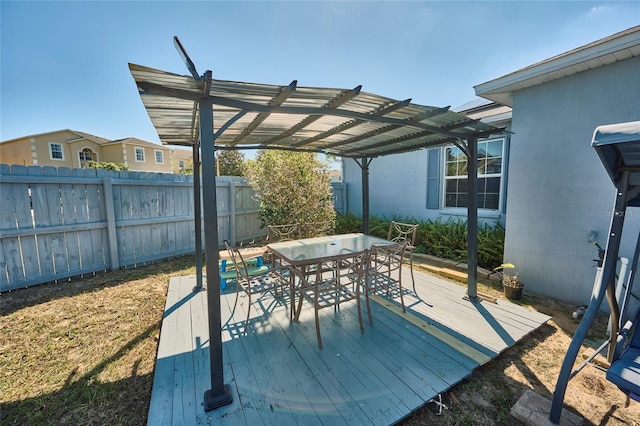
96	139
81	135
617	47
137	142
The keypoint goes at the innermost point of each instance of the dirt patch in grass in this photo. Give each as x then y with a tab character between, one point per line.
83	352
487	396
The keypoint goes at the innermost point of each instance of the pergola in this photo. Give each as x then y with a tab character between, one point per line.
210	115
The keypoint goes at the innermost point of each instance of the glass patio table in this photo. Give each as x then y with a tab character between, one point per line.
298	255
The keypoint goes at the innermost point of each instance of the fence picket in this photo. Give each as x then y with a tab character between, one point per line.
11	261
69	195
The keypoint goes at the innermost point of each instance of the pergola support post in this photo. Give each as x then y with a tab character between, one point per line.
607	285
364	167
472	219
365	194
219	394
197	212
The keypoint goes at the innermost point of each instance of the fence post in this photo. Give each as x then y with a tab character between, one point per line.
232	213
111	223
344	198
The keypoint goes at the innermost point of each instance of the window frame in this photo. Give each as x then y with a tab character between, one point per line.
51	157
94	155
135	153
155	154
501	175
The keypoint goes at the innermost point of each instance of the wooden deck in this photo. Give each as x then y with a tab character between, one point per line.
278	375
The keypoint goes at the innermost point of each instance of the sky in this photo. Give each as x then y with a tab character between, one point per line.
64	65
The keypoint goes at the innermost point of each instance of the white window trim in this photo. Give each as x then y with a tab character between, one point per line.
94	154
51	157
155	155
460	210
135	154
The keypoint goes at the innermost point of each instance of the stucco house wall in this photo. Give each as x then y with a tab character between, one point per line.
129	147
181	155
112	153
396	185
16	152
558	189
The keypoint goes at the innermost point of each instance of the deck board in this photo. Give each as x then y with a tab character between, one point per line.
278	375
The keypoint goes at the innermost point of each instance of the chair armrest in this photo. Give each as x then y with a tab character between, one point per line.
620	341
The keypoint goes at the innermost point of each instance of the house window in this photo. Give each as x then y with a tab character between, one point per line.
55	151
140	154
490	153
181	164
86	155
159	157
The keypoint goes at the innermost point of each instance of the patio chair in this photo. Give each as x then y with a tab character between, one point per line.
252	279
317	229
405	232
384	262
336	280
278	233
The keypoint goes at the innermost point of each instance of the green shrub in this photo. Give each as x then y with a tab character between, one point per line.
443	239
292	187
348	223
107	165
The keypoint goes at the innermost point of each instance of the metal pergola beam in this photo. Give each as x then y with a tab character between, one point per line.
157	89
339	100
277	101
353	123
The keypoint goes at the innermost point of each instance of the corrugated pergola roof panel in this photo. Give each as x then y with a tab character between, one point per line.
343	122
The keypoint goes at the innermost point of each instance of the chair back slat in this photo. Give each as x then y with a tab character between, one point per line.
399	232
286	232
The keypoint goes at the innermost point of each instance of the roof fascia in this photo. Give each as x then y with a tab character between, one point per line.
39	134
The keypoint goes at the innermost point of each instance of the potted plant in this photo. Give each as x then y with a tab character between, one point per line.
511	285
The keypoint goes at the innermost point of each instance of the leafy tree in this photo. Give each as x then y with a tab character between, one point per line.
186	171
230	163
107	165
292	187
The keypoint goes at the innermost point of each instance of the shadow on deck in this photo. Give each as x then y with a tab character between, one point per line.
278	375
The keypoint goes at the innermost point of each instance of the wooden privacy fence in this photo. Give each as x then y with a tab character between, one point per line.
57	223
